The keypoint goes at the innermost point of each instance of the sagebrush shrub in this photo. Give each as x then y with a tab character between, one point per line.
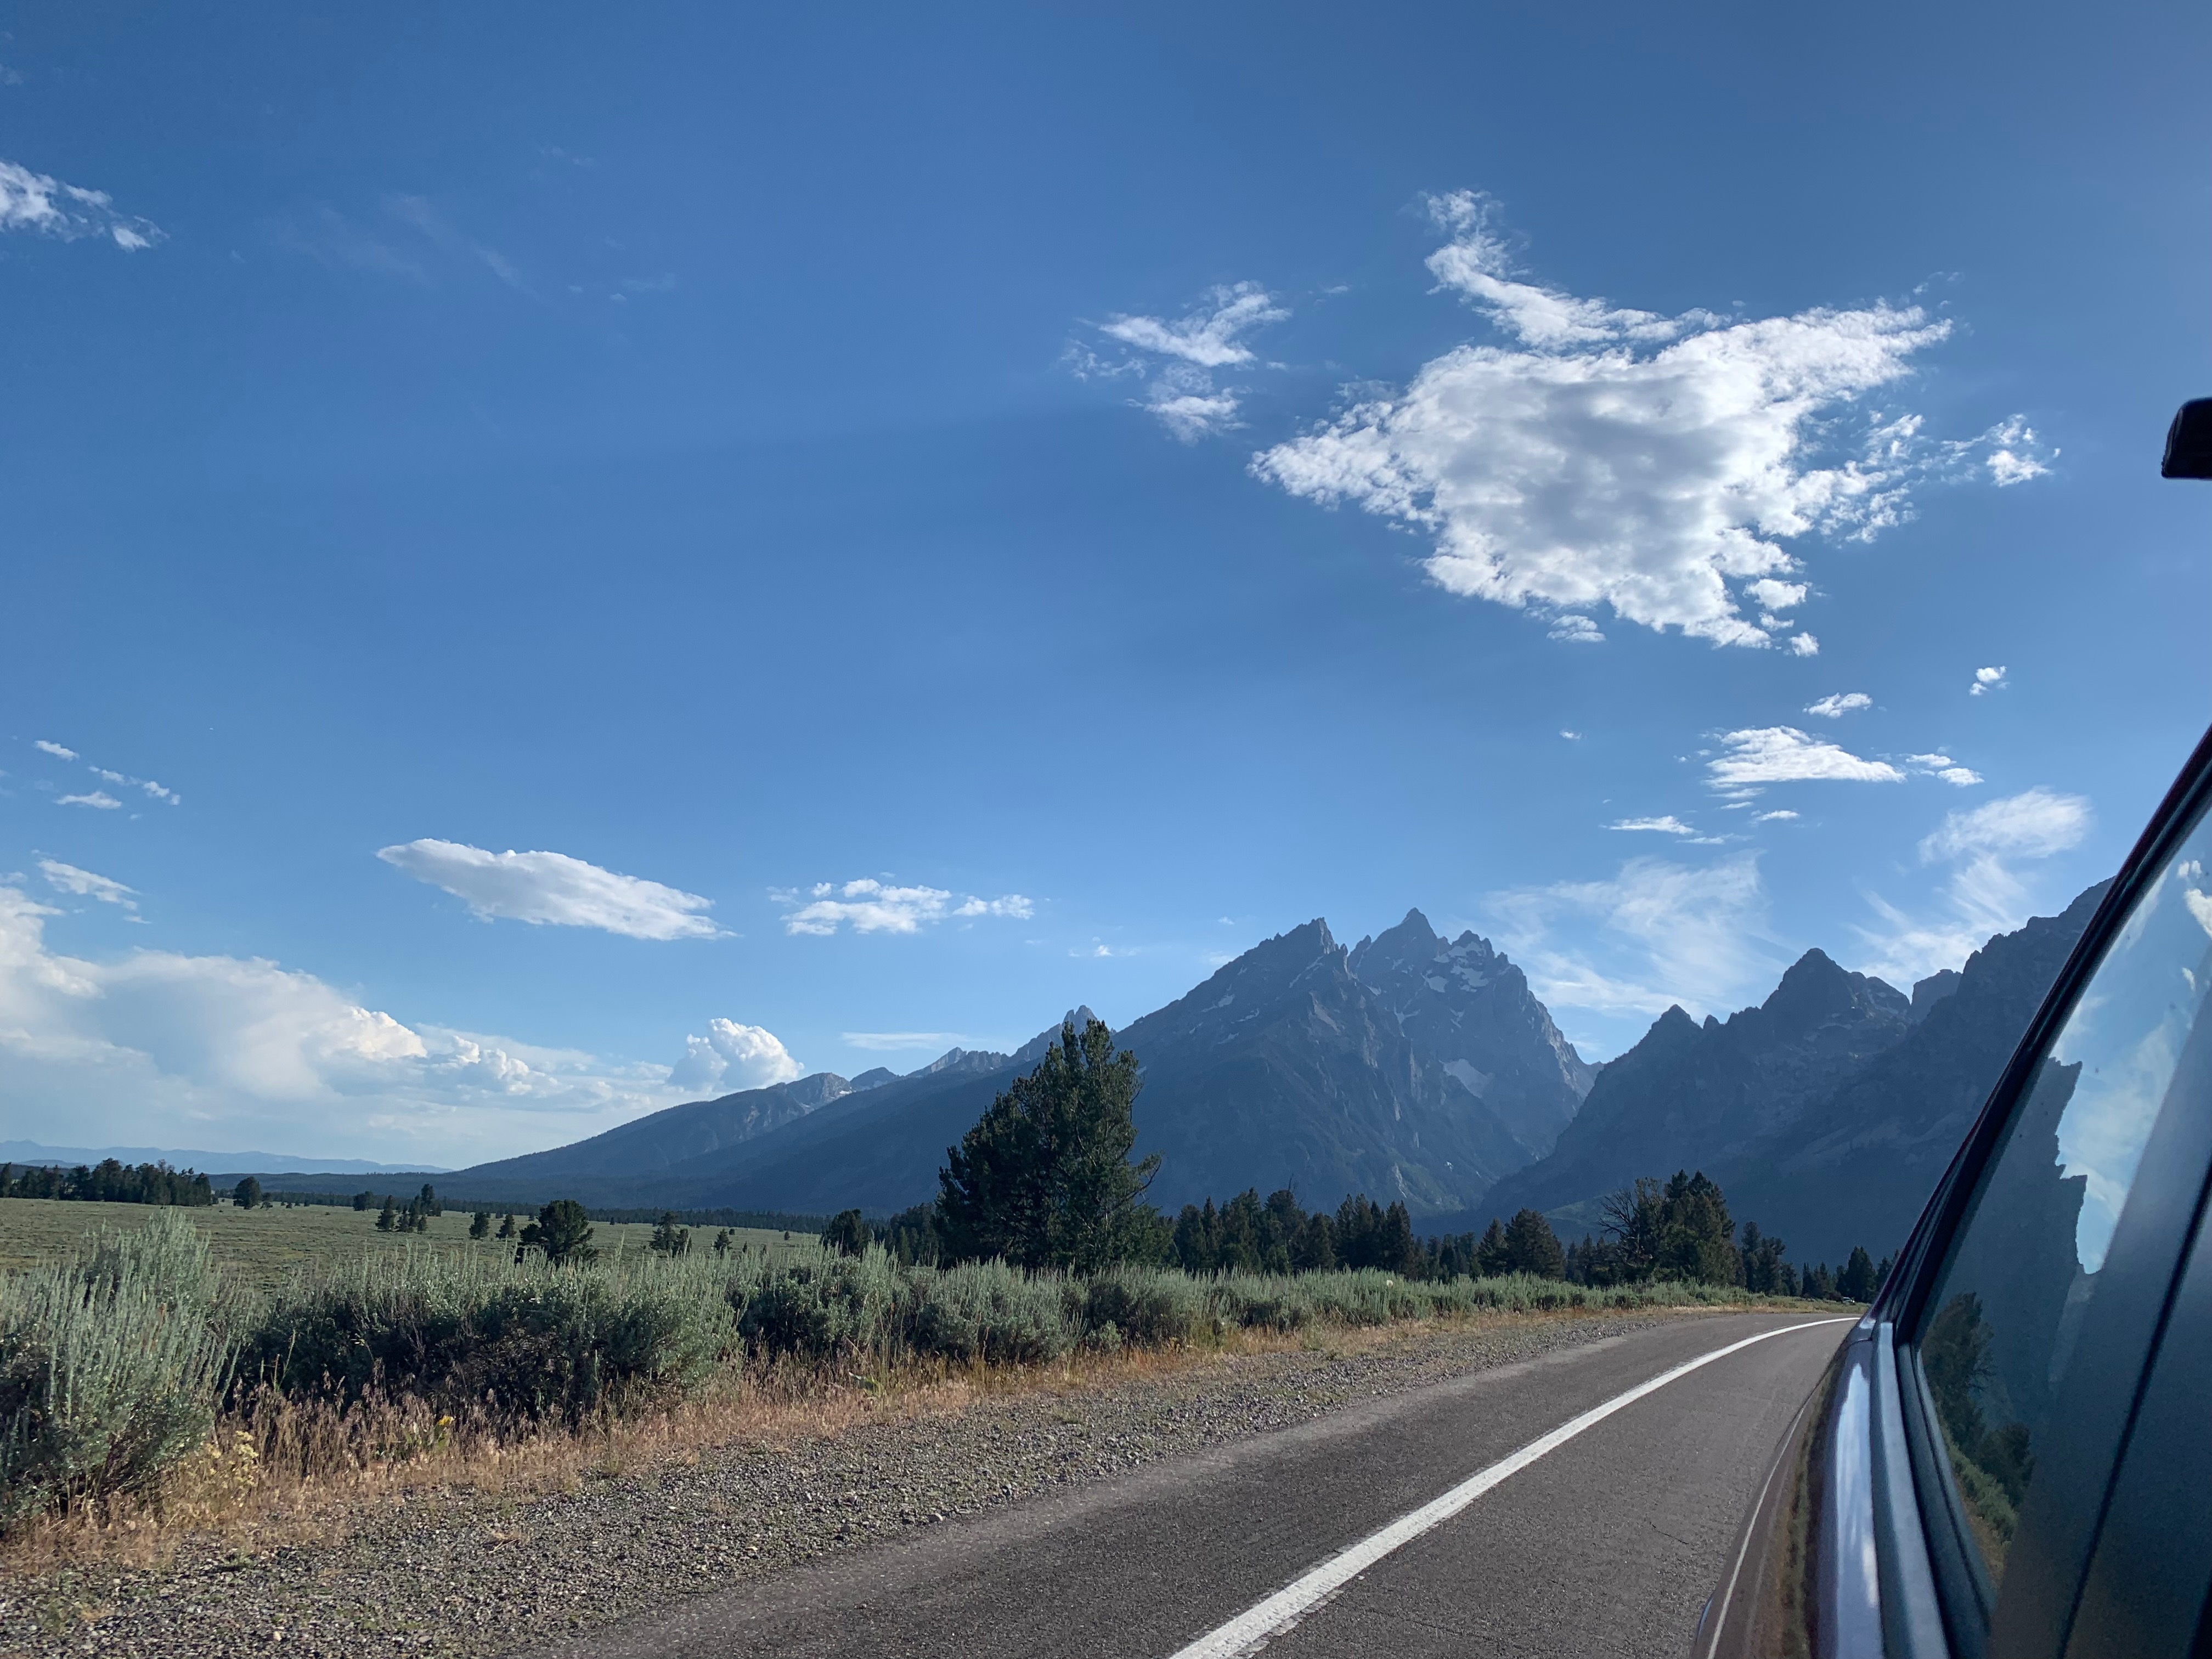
112	1361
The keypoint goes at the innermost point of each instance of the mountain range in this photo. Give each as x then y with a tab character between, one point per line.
1415	1068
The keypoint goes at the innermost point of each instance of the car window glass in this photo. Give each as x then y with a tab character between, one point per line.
1998	1331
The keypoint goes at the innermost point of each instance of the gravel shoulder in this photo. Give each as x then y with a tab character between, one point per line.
452	1571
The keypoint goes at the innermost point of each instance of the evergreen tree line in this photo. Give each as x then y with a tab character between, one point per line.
1045	1180
108	1181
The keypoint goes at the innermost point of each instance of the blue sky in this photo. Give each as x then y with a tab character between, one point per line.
904	523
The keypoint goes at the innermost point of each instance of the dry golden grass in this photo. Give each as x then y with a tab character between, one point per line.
288	1475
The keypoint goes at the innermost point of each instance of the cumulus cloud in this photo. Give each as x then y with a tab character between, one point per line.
1837	704
1183	394
1986	679
1658	933
99	799
732	1057
1656	464
1782	754
544	888
1576	630
869	906
157	1048
1983	889
40	202
55	749
83	884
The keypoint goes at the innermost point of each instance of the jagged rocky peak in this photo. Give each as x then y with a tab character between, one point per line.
963	1059
815	1089
1927	993
874	1079
1465	1005
1823	1005
1033	1051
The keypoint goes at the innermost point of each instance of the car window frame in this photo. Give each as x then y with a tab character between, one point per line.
2032	1609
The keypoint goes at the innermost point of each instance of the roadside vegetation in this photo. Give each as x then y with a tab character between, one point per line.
137	1375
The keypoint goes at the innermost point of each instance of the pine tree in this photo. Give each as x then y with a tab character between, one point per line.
562	1231
1532	1247
1492	1256
1044	1178
722	1242
1858	1282
388	1218
480	1224
848	1233
507	1228
247	1195
360	1200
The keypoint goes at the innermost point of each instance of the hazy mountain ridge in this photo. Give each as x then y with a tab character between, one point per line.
1828	1112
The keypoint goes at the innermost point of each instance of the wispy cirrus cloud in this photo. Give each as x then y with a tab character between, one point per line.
553	888
83	884
41	204
1987	888
1181	356
900	1041
1653	465
1658	933
869	906
98	800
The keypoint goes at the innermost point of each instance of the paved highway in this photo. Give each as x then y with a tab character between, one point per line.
1606	1543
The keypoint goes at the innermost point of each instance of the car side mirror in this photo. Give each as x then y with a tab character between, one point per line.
2188	442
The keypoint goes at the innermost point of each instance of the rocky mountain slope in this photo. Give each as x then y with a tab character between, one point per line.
1826	1114
1463	1005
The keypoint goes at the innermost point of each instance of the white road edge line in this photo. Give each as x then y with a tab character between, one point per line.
1242	1634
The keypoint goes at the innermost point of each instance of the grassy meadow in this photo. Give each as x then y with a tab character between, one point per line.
264	1248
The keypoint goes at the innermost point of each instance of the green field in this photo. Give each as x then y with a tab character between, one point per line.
262	1247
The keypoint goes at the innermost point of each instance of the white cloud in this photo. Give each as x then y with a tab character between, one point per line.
896	1041
732	1057
1192	415
1804	645
1782	754
55	749
1669	825
100	801
38	202
2035	824
1984	890
1659	932
1781	816
554	888
82	884
1576	630
1986	679
1943	766
159	1048
2015	455
869	906
1571	737
1837	704
1621	458
1183	394
1207	336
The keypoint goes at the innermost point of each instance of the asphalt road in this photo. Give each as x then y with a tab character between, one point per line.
1608	1545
